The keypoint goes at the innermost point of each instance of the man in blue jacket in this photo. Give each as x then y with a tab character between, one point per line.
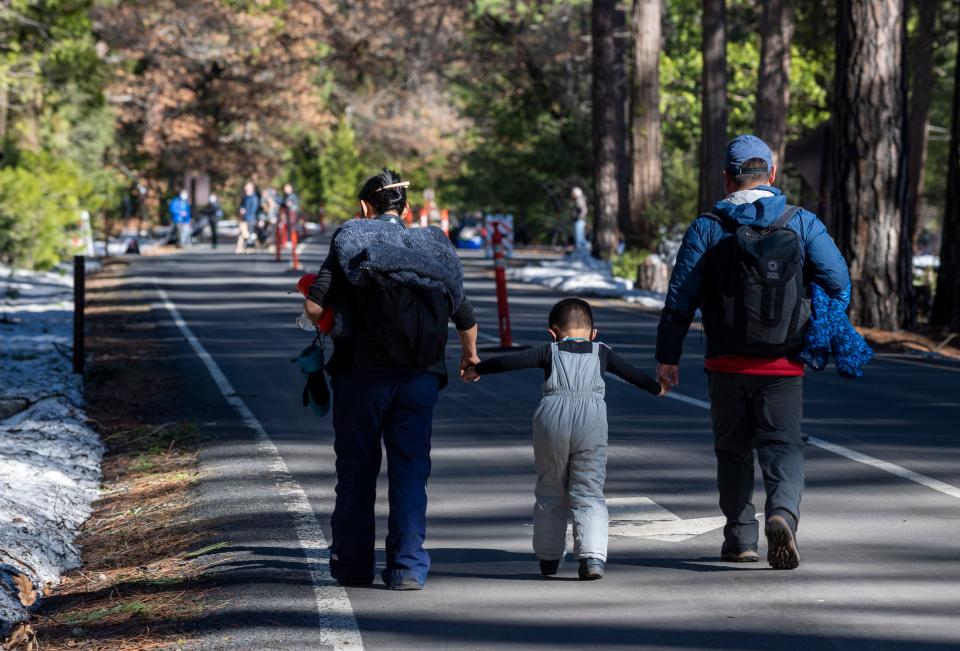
180	217
733	265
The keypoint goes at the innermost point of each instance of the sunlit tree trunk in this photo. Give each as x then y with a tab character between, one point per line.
608	129
869	195
646	177
4	100
713	114
946	303
773	83
921	69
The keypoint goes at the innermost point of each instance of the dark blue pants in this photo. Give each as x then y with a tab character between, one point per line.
396	407
751	412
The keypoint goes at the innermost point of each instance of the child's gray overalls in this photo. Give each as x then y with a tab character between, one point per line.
570	453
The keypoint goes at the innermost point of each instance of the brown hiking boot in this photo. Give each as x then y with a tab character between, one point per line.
782	551
746	556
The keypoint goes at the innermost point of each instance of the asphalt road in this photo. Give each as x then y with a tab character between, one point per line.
879	543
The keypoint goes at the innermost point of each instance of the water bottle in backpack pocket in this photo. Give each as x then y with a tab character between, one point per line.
764	302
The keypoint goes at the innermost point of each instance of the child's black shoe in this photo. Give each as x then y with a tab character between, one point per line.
591	569
549	568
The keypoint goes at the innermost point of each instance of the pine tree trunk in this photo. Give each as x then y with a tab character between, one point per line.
869	196
608	129
713	115
622	42
921	67
946	303
773	83
646	176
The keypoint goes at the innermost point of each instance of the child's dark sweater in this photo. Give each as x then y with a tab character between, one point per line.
540	357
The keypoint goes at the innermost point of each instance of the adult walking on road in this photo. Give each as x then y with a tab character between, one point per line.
290	208
180	217
249	207
746	265
214	213
394	292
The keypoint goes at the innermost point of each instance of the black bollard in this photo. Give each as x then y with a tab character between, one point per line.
79	305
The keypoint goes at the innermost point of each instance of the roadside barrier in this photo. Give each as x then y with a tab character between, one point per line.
295	254
500	271
79	311
279	239
445	221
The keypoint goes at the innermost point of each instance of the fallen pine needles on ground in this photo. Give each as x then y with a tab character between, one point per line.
140	579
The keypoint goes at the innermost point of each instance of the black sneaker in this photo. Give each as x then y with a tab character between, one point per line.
591	569
782	551
746	556
549	568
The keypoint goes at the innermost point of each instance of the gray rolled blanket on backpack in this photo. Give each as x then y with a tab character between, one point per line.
418	257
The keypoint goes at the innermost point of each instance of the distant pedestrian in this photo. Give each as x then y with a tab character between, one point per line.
746	265
180	217
570	434
580	212
290	208
214	213
388	365
249	208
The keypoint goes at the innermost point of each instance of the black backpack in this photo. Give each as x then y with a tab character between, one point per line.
759	288
393	325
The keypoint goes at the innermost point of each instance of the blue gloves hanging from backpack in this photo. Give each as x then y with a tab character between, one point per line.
830	333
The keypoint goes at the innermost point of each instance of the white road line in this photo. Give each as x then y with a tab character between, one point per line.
893	469
853	455
338	624
910	362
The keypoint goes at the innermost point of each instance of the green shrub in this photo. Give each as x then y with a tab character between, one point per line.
625	265
40	203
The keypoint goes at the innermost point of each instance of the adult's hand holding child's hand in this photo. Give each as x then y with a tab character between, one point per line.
668	374
469	374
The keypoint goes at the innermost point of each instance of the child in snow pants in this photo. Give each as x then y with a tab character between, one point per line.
570	435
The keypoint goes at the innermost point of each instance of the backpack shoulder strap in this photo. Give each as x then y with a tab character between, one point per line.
784	218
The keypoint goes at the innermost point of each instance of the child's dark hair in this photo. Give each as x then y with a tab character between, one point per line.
571	313
383	201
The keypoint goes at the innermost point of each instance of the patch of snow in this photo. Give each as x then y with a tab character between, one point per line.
926	261
583	275
49	457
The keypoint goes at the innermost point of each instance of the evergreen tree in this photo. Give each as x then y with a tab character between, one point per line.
713	111
869	198
341	171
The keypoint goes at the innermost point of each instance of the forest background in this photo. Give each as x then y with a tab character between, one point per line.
500	105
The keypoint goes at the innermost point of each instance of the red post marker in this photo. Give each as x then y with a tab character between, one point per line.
500	271
293	245
445	221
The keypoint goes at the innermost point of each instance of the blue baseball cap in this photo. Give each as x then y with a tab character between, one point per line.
743	148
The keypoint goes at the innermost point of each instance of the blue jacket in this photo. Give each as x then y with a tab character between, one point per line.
179	211
251	204
761	206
